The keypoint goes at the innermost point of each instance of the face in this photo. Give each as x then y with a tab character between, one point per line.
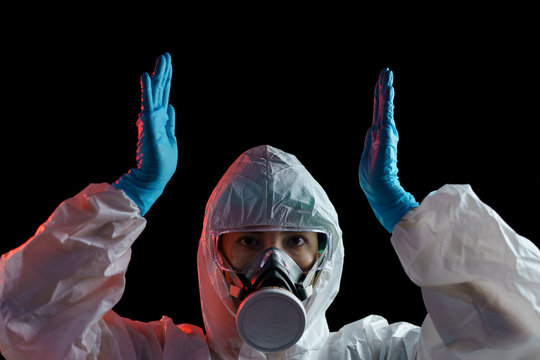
241	247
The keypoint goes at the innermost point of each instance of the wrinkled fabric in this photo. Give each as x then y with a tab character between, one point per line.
480	280
57	290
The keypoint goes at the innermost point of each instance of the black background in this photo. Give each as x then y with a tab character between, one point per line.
466	109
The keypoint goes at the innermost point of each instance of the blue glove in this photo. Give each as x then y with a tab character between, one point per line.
157	152
378	166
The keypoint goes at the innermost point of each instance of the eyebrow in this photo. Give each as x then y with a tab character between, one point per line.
279	232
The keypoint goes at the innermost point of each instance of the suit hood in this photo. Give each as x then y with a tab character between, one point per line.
267	187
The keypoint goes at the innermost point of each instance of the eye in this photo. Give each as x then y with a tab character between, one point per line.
296	241
247	241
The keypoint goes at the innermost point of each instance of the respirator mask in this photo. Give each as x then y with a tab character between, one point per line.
271	292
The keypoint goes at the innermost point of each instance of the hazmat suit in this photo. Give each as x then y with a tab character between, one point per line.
480	280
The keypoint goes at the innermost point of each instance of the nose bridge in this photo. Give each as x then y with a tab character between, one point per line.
275	256
272	239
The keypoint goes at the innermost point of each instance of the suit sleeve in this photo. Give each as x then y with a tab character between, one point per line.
56	288
480	280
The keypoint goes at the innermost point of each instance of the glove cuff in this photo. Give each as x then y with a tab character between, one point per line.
141	195
390	215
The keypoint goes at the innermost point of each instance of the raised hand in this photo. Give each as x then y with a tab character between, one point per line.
157	151
378	166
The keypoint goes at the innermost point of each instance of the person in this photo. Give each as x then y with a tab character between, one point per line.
271	242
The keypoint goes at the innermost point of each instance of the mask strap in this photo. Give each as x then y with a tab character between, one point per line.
307	286
237	288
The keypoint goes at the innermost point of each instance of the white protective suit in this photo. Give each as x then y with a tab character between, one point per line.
480	280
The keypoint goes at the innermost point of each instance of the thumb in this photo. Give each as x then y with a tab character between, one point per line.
171	122
146	93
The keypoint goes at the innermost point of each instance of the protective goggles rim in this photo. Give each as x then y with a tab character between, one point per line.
220	260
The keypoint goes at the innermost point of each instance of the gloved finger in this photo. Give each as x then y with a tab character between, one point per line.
146	92
158	80
385	99
375	121
171	123
168	78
